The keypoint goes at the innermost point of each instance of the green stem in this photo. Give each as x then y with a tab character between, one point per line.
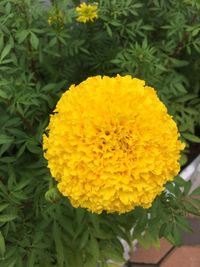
51	183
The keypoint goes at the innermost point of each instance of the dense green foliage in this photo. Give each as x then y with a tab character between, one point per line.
157	40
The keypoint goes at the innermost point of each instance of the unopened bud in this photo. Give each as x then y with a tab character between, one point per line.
53	195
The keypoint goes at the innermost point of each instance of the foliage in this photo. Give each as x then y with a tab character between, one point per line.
156	40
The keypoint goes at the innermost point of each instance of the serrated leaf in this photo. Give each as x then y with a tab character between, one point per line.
3	94
95	220
180	181
3	206
162	230
186	98
31	259
191	137
2	245
84	239
109	31
184	224
7	218
176	236
90	263
111	264
5	139
93	247
12	263
187	187
22	184
1	40
102	234
34	40
111	253
183	160
195	32
191	208
33	148
52	42
80	213
147	240
58	244
22	35
5	51
179	63
7	159
196	192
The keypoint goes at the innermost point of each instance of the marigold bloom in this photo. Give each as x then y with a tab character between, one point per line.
86	12
57	19
111	144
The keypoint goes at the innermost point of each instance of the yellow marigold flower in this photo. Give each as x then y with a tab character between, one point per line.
111	144
86	12
57	19
50	20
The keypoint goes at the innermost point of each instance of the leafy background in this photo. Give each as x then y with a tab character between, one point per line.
156	40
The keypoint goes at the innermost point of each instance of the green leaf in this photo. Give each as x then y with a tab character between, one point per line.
196	192
5	51
7	218
93	247
90	262
191	208
179	63
5	139
58	244
184	224
195	31
148	240
186	98
162	230
2	245
1	40
34	40
109	31
3	94
102	234
33	148
180	181
113	254
12	263
183	160
94	218
22	35
176	235
191	137
3	206
80	213
84	239
32	258
52	42
22	184
111	264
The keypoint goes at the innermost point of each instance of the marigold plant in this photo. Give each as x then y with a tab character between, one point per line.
48	45
111	144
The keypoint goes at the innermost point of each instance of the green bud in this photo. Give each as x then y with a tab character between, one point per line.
53	195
